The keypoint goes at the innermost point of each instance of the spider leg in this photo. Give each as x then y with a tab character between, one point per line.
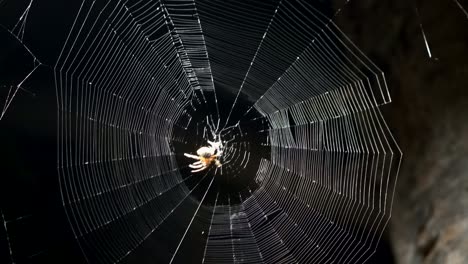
191	156
214	145
199	169
196	166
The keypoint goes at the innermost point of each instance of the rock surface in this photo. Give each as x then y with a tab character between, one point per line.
429	117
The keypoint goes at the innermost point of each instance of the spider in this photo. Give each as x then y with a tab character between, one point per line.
206	156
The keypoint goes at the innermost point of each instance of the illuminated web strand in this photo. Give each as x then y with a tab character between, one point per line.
211	224
319	32
10	250
191	220
20	26
18	33
251	63
461	8
189	34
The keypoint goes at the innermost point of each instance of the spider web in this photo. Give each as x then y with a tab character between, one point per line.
135	78
14	75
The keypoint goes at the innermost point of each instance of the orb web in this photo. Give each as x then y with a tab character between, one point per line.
312	160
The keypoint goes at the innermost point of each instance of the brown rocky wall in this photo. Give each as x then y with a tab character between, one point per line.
429	117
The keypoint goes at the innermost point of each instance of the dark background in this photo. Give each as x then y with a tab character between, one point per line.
428	116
